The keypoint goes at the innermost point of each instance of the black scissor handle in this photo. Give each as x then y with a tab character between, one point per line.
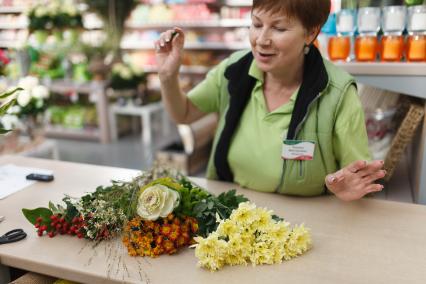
14	235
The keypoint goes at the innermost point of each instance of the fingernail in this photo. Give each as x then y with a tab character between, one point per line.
331	179
167	39
162	44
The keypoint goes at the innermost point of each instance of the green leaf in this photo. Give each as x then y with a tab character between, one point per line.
33	214
7	94
4	131
6	106
200	207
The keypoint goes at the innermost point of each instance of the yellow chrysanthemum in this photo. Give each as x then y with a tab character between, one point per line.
298	242
251	235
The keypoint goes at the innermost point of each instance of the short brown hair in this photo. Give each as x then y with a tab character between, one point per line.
311	13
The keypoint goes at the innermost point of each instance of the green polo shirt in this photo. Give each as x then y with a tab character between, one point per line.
255	152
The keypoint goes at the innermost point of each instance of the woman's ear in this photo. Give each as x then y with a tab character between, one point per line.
311	35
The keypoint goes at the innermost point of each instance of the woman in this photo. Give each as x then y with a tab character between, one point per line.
278	105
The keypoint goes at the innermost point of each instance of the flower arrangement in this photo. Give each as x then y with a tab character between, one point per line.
160	212
31	99
54	15
125	77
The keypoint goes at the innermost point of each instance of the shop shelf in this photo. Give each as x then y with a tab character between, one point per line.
183	70
193	45
12	10
223	23
61	132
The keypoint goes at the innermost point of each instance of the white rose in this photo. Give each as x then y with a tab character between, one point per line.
40	92
28	83
24	98
157	201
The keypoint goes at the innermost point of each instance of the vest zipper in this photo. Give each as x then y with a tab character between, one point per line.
298	127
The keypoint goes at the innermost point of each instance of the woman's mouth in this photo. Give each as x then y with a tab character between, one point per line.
264	55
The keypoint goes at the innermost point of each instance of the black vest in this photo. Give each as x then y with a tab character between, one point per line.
240	86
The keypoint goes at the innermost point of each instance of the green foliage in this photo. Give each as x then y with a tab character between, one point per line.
190	195
205	210
33	214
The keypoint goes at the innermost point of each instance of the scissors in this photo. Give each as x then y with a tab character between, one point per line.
13	236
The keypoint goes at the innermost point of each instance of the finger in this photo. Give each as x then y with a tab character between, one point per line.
178	36
168	35
158	47
356	166
373	188
371	168
335	177
374	176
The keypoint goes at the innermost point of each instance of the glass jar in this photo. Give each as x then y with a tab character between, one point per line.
366	44
393	24
416	42
339	47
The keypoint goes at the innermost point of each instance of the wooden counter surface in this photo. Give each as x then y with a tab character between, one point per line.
368	241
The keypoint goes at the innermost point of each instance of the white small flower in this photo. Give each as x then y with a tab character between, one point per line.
9	121
14	110
28	83
40	92
24	98
157	201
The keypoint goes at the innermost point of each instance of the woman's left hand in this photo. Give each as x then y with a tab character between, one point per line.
356	180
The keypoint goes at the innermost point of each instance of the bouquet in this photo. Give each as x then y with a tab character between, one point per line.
125	77
161	212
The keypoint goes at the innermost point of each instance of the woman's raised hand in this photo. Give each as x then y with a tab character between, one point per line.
356	180
169	51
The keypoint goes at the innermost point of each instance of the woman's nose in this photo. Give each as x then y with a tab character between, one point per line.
263	38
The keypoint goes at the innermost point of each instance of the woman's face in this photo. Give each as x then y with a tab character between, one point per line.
277	42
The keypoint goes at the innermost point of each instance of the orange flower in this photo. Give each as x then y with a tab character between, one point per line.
166	229
159	240
169	247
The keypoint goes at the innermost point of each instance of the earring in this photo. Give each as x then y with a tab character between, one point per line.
306	49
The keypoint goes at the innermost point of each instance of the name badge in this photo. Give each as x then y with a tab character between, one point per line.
298	150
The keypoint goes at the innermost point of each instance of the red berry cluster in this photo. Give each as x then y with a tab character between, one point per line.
58	225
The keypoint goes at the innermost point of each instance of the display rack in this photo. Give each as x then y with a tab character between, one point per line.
94	89
7	26
407	79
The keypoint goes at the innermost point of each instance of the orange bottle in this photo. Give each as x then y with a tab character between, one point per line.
416	42
339	48
416	48
392	48
366	44
393	24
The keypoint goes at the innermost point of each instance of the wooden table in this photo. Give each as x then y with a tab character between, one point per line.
369	241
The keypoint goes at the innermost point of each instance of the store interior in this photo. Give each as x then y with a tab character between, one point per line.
93	95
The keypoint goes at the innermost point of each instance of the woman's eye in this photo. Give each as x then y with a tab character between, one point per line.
257	25
280	29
